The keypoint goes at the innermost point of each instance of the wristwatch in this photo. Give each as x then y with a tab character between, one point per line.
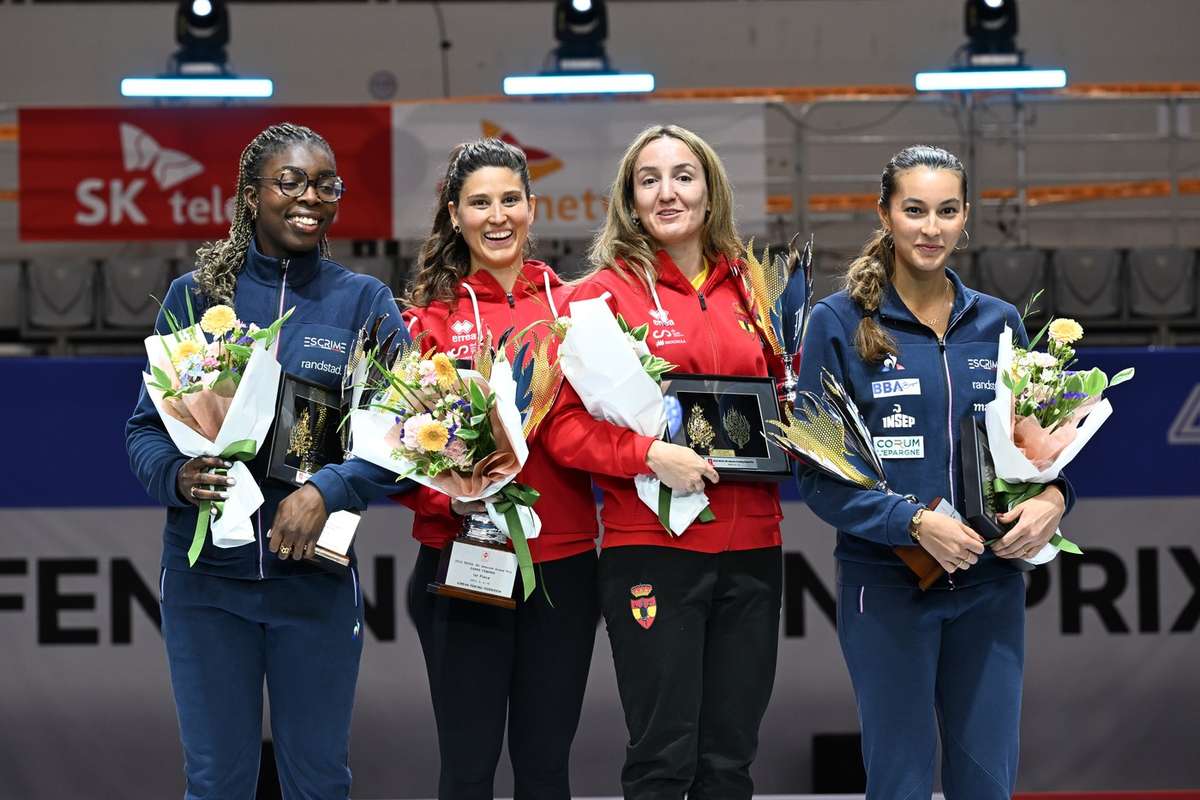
914	524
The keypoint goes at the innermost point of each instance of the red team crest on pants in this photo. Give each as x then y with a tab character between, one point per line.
643	604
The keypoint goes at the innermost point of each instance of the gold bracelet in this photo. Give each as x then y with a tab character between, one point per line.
914	524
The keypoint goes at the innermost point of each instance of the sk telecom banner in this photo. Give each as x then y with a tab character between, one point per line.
170	173
573	151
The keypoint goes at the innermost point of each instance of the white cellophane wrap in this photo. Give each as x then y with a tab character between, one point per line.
369	427
1011	464
250	415
603	367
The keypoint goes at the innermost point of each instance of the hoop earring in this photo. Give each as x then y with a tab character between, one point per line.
964	245
637	223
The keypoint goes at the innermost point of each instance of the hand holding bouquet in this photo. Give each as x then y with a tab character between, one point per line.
458	432
1043	414
611	369
216	397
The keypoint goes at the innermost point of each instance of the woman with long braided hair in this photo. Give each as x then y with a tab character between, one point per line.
266	611
916	350
473	281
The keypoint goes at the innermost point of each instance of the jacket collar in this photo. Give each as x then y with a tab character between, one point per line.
893	307
532	280
671	276
263	269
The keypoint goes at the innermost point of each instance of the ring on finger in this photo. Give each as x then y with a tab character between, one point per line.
285	550
192	492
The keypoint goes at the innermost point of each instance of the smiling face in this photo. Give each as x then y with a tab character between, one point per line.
926	216
670	195
494	215
289	226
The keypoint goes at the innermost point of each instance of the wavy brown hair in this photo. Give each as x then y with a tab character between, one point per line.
622	238
218	263
869	274
445	259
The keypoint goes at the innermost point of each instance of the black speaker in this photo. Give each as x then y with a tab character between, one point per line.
837	763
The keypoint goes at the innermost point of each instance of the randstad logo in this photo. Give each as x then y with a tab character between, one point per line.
114	201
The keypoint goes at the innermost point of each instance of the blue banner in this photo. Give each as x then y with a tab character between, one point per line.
67	417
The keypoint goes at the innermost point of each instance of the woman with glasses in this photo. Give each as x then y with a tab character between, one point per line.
266	611
472	282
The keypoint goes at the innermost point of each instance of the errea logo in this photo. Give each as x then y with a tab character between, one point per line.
462	330
661	317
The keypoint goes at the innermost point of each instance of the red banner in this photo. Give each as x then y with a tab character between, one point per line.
170	173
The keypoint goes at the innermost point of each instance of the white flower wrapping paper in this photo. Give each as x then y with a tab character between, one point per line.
603	368
1011	464
369	427
249	417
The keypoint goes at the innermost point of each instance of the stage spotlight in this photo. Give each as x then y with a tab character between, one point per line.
199	68
581	27
202	32
580	65
991	27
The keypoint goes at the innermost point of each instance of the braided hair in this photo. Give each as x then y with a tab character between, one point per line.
871	272
445	258
218	263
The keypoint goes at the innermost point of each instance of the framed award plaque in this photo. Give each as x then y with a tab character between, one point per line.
307	434
724	418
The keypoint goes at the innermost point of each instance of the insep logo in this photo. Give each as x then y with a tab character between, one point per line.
325	344
114	201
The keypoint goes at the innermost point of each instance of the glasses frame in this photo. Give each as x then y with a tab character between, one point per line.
307	182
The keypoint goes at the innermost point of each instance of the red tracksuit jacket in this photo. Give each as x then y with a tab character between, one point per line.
566	506
710	331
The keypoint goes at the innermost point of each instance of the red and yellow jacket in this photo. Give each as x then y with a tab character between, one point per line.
567	507
709	331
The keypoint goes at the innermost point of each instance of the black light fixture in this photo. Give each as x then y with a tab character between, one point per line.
991	27
581	27
202	32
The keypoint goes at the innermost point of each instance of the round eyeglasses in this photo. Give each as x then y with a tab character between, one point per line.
294	182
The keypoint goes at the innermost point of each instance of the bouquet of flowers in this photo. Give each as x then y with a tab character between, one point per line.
456	431
1043	414
610	367
216	397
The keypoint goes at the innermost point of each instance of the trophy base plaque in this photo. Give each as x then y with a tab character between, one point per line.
479	565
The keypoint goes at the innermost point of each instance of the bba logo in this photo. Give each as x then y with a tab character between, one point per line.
115	201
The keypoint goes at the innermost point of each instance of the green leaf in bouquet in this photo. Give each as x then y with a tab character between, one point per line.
477	419
467	434
1066	545
1033	342
1094	381
1121	377
622	324
479	402
640	331
1031	305
226	383
240	351
161	378
268	334
1020	385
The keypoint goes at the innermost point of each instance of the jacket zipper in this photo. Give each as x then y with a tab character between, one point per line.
283	263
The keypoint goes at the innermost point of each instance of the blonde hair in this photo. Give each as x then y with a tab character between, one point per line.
621	239
870	273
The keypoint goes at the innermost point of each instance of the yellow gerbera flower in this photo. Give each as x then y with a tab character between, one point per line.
443	369
432	437
1065	331
185	350
218	320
